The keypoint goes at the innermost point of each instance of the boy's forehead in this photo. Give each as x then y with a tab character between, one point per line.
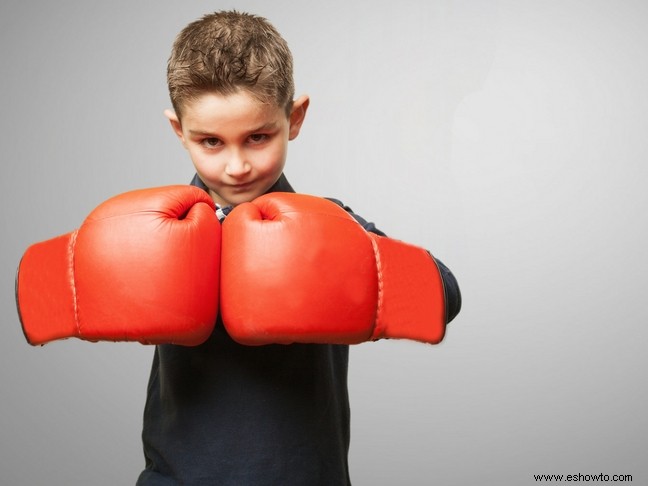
239	108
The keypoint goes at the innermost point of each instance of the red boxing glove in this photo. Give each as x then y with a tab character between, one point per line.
144	266
298	268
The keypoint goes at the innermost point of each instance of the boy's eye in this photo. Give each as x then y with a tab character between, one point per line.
211	142
258	137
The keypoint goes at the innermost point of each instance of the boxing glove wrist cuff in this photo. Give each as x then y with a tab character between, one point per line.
411	297
45	284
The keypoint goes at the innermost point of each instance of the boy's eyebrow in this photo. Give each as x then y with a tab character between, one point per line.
271	125
266	126
199	133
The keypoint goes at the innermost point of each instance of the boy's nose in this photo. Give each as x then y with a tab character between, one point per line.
237	165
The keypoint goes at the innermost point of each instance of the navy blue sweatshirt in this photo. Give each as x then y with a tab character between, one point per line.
226	414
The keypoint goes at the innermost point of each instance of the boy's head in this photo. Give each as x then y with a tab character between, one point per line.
231	86
225	52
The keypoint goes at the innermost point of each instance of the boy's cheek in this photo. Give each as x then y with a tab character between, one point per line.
203	165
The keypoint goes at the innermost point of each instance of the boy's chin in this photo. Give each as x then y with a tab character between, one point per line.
234	199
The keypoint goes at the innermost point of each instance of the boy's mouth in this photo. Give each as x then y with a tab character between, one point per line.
241	187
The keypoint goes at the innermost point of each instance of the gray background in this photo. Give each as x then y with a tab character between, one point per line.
508	137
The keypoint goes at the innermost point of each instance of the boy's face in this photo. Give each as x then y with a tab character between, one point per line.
237	144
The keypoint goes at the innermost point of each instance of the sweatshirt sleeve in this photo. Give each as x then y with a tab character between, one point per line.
452	292
450	284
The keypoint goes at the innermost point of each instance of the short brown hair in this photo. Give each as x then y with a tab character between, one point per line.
228	51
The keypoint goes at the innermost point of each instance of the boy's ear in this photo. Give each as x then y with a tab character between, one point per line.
297	115
175	124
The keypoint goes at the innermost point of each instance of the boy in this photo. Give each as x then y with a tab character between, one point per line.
223	413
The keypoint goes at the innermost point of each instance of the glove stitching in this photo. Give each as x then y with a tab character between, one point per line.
378	327
75	301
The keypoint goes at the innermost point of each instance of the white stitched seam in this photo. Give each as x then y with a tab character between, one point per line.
378	327
72	276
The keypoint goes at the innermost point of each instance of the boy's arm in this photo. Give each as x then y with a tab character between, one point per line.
452	292
450	284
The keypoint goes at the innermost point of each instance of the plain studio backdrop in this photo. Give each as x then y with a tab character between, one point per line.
507	137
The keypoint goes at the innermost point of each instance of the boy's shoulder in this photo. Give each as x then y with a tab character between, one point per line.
367	225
